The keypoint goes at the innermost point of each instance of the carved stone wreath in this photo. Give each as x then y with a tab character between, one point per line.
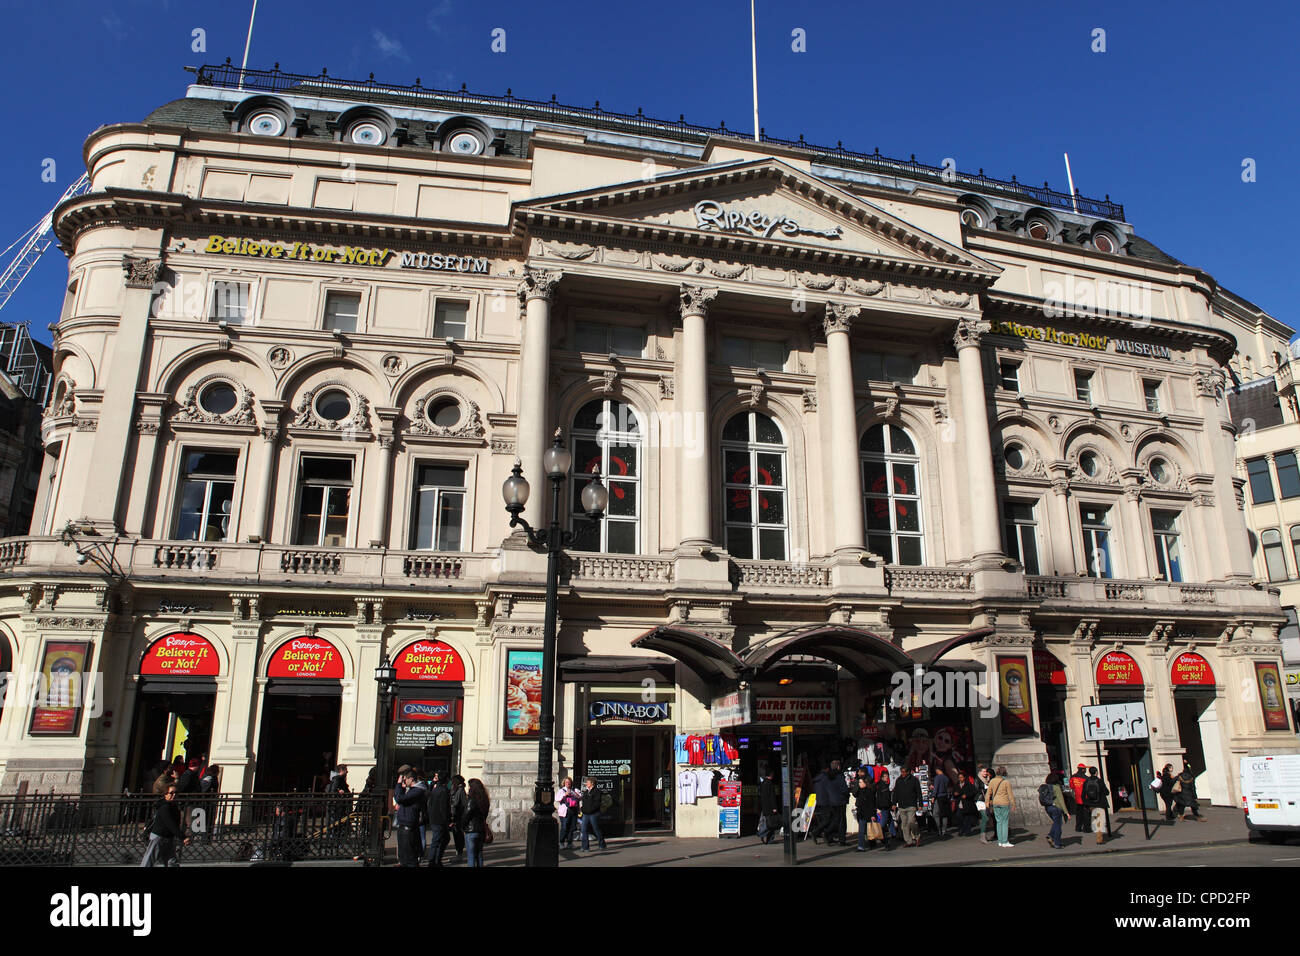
305	415
1034	466
469	426
1176	480
1106	474
192	411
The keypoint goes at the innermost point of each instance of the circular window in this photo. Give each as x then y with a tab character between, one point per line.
333	405
972	218
218	398
465	143
1038	229
1103	242
1015	456
1090	463
1159	469
445	412
367	134
266	123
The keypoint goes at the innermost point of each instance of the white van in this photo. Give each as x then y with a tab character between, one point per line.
1270	794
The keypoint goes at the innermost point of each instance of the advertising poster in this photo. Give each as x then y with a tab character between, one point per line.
1271	696
523	717
1014	699
63	664
613	777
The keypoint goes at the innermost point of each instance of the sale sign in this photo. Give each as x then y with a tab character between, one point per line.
1118	668
180	655
429	660
306	657
1191	670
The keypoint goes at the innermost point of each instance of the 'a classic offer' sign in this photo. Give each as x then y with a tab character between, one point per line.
429	660
180	655
307	657
1191	670
1118	668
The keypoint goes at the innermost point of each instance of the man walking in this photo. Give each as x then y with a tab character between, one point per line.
410	796
1077	780
837	803
438	810
459	805
591	815
769	808
907	797
165	831
1094	798
1185	790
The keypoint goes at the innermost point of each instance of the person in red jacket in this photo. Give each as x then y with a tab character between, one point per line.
1076	787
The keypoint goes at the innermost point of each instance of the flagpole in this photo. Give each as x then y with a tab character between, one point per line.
753	52
1070	176
247	43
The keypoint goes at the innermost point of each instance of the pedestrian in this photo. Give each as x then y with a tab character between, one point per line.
769	808
906	798
942	801
410	796
982	779
1077	780
438	813
1094	798
837	806
1052	798
1185	788
477	807
188	781
1166	791
459	804
1001	800
884	801
968	800
567	801
821	805
864	808
165	831
165	779
591	815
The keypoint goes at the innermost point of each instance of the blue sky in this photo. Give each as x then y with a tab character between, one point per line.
1162	120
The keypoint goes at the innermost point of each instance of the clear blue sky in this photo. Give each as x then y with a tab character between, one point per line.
1161	121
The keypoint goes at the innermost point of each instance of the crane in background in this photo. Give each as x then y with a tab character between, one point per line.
18	356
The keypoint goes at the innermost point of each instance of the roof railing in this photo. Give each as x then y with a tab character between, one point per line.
229	76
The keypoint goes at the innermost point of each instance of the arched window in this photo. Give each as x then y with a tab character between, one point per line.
891	484
754	488
607	435
1274	559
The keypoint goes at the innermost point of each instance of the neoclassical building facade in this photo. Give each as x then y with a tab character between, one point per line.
853	420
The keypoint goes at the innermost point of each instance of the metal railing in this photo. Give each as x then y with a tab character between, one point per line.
53	829
229	76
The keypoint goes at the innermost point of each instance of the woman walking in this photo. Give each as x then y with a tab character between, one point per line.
475	824
1167	791
864	808
884	800
968	795
982	778
567	800
1001	801
1056	809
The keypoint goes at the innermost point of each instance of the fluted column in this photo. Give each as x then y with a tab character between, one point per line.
848	532
257	529
694	501
536	293
387	423
986	542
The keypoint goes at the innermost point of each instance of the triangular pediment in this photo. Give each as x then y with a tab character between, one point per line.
761	206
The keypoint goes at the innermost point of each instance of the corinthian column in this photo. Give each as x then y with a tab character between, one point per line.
693	402
979	448
536	292
847	533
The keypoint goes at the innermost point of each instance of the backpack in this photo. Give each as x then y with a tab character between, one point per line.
1045	795
1092	791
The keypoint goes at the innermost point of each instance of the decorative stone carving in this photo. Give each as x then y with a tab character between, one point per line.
393	364
538	284
1055	424
280	357
890	409
940	413
470	424
696	299
305	415
192	411
140	273
1204	499
673	264
571	252
87	424
956	300
873	287
1209	384
1132	491
665	386
755	397
503	446
1126	430
727	272
70	623
145	426
810	399
839	317
65	401
968	333
609	381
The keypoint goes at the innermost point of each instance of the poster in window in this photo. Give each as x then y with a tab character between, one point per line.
1013	684
523	695
1270	696
63	681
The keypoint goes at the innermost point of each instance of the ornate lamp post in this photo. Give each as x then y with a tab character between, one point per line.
386	678
543	844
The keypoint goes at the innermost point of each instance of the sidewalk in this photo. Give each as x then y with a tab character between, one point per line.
1222	825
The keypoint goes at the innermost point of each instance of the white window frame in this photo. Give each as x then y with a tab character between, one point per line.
1089	532
182	477
1160	539
753	449
1015	366
1090	381
254	300
359	324
1159	399
607	438
452	300
1009	521
417	488
1281	553
890	457
295	516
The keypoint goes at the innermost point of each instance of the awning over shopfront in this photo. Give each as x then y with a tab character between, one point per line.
928	655
709	658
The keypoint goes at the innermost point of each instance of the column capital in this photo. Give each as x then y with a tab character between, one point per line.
538	284
969	332
141	273
839	317
696	299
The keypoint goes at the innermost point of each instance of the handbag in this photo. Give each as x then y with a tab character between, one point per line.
1155	784
488	836
874	832
981	806
1178	787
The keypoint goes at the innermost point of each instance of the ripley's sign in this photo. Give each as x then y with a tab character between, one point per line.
712	215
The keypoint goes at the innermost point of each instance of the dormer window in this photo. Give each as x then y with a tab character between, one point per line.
1038	229
1102	242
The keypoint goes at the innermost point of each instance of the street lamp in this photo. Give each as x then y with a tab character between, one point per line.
386	678
543	843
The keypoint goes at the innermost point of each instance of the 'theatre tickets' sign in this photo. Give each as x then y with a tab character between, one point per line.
307	657
180	655
795	710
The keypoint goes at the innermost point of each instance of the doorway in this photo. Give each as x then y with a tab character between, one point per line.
298	743
633	769
172	719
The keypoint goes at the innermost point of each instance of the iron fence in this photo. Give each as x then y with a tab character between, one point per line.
229	76
81	830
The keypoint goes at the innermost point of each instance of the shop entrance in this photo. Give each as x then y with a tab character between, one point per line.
633	770
426	732
1128	766
172	719
298	743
